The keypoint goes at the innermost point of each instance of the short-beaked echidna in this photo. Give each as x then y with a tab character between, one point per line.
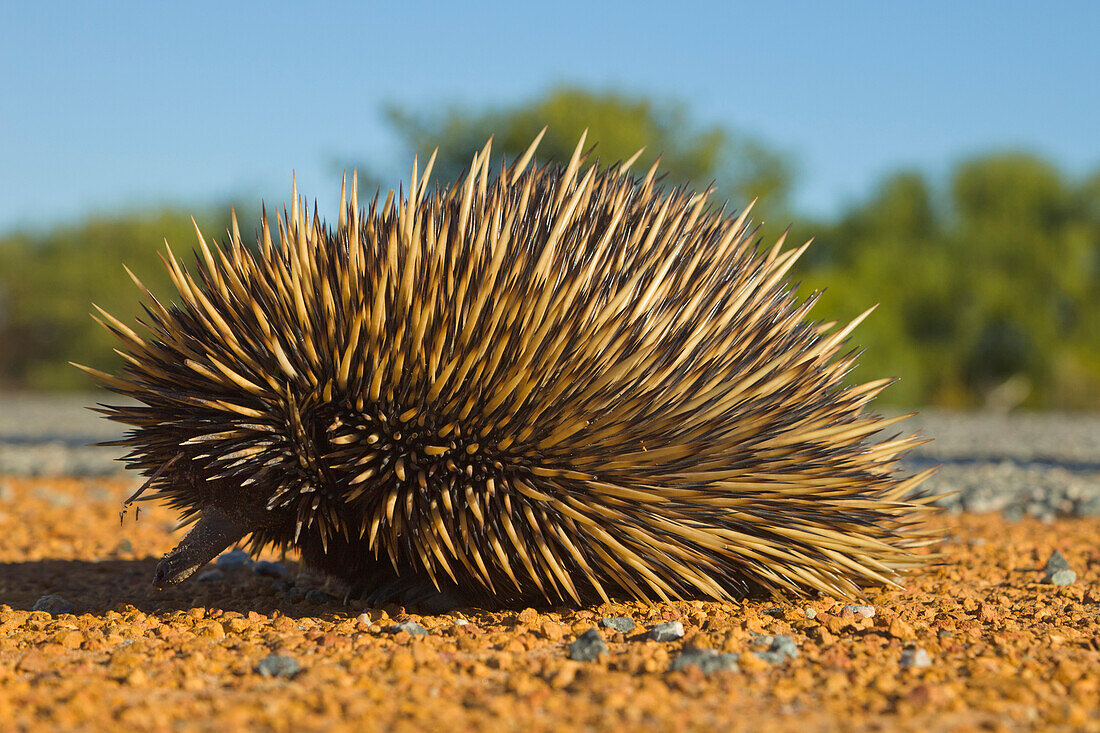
554	382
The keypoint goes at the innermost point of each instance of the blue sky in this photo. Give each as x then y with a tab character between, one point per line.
109	105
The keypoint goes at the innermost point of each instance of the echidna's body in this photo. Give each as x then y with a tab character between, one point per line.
557	383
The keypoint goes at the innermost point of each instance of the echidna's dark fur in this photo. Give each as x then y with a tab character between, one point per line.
556	382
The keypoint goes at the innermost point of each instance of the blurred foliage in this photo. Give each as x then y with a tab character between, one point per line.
989	286
49	281
989	293
741	168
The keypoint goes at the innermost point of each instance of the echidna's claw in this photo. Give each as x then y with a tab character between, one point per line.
214	532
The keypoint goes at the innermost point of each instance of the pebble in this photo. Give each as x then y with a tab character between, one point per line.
668	631
1057	561
624	624
318	596
809	612
233	560
707	660
268	569
410	627
294	594
588	647
917	657
211	575
782	648
1057	570
1063	577
277	665
54	605
864	610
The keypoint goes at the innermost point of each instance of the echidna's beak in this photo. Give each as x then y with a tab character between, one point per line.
214	532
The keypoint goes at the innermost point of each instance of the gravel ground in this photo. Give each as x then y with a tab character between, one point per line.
997	637
1002	634
1044	465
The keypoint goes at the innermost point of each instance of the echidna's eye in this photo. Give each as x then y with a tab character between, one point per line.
556	381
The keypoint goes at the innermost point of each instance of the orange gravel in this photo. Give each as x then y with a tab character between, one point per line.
1007	651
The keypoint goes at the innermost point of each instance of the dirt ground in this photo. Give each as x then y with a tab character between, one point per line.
977	642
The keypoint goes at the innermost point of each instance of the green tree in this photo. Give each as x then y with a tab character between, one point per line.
619	124
1017	241
48	283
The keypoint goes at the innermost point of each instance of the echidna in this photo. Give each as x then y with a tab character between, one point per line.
557	383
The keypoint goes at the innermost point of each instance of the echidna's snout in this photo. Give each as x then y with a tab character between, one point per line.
213	533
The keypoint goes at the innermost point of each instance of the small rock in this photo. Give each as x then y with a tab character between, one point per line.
54	605
707	660
1057	561
1063	577
211	575
318	596
234	560
124	547
864	610
668	631
782	648
268	569
276	665
588	647
1057	570
810	613
413	628
915	658
625	624
461	622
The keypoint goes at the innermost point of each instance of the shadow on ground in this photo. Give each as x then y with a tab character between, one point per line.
99	586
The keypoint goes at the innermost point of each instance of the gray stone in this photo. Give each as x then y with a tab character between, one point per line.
588	647
1057	561
294	594
413	628
234	560
211	575
863	610
277	665
915	658
708	660
1063	577
54	605
269	569
319	597
781	649
668	631
624	624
